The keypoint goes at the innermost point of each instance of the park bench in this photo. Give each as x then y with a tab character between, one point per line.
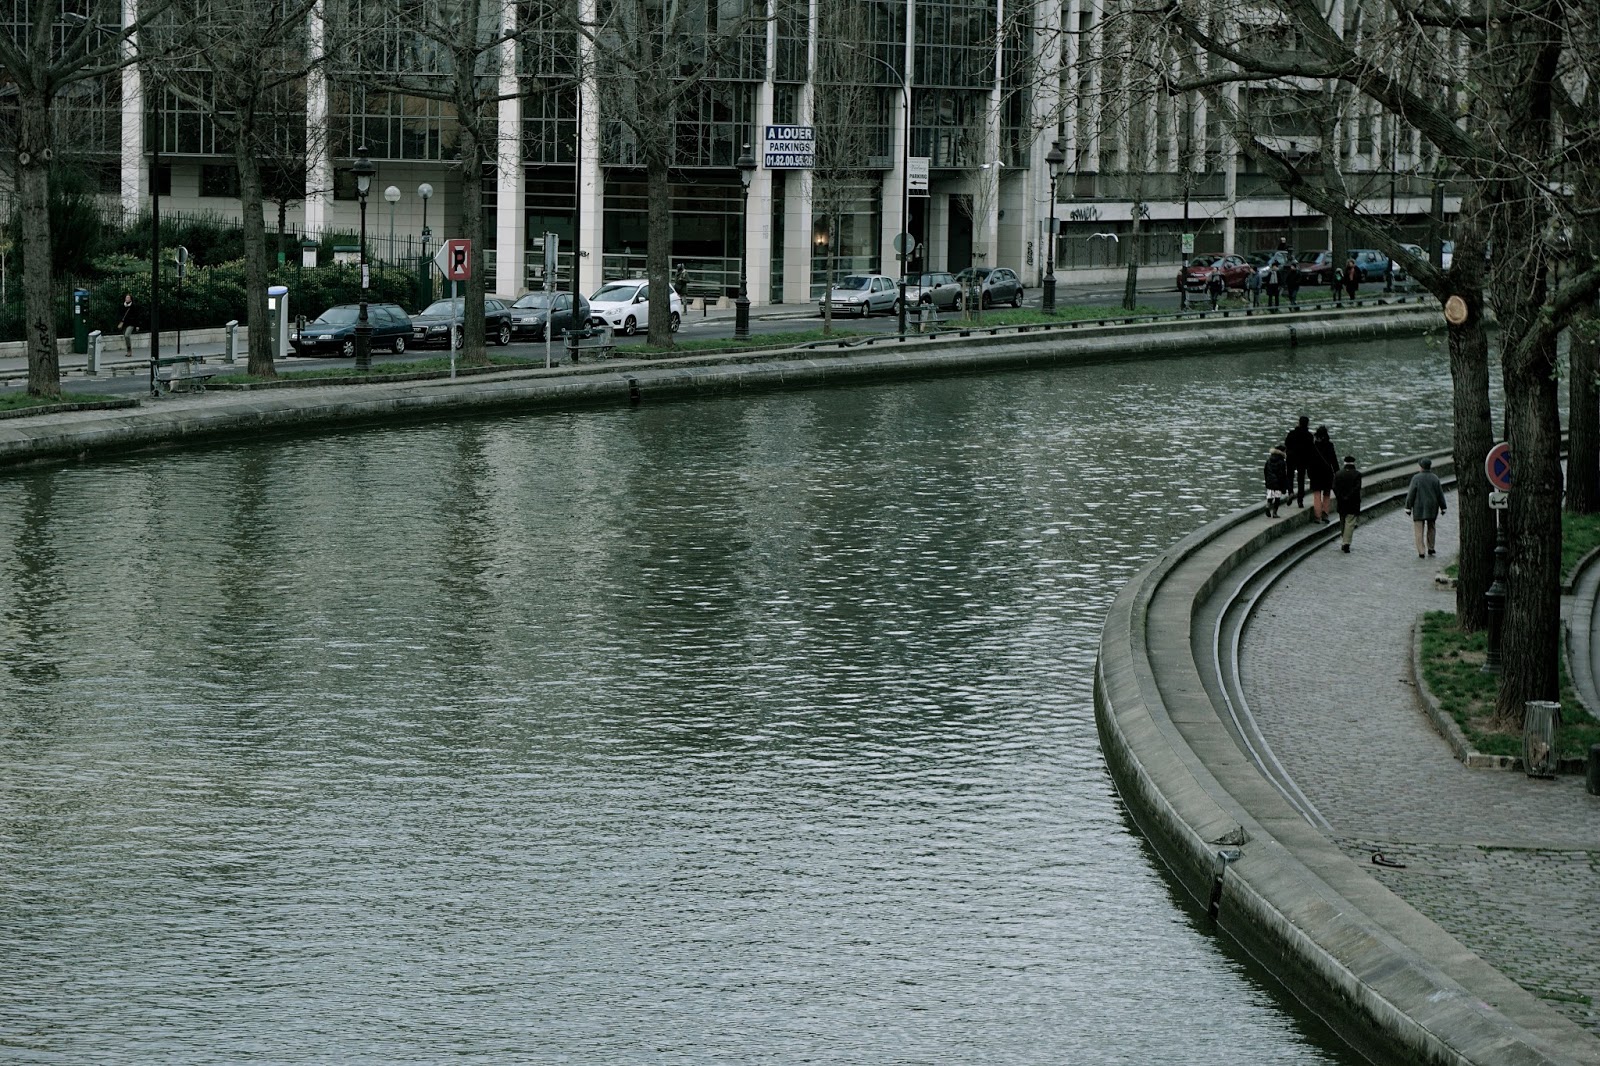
596	340
182	373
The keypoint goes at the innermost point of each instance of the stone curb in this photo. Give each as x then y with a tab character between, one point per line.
218	415
1392	982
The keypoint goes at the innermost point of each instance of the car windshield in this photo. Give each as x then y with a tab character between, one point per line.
925	279
1202	261
338	316
616	292
446	307
536	300
1313	257
855	281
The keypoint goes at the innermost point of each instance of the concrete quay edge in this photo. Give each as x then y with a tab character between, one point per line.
1394	984
217	414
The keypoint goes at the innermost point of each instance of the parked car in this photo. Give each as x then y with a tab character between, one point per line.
1373	264
995	285
535	312
625	306
1400	272
1315	268
1447	254
439	324
1233	268
942	290
1263	260
334	331
862	294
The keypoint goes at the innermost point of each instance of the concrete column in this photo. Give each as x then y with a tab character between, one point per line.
511	220
758	208
591	181
133	170
319	153
797	217
1229	162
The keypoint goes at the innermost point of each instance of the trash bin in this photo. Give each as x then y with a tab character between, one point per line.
80	322
278	319
1539	721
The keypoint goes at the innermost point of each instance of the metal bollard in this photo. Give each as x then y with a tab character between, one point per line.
230	351
1539	721
94	353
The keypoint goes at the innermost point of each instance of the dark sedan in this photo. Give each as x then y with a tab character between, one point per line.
334	331
435	325
535	310
997	285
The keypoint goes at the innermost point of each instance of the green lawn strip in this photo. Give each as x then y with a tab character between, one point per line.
424	366
21	400
1452	664
1580	535
753	344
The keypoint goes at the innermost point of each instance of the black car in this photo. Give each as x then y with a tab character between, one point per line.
434	325
532	311
334	331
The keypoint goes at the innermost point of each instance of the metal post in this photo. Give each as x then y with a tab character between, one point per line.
1055	157
363	170
155	244
905	196
741	307
1495	598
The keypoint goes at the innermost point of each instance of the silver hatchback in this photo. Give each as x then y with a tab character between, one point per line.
861	294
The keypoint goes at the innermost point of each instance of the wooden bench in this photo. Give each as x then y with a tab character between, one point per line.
182	373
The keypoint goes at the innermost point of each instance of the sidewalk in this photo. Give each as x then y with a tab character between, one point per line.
1505	863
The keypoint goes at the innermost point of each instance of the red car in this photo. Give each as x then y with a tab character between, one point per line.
1233	268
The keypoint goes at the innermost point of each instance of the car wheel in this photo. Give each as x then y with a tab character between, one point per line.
866	308
505	334
399	345
987	302
1016	300
458	337
630	326
347	348
676	321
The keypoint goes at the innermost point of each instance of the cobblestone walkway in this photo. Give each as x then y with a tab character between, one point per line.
1509	865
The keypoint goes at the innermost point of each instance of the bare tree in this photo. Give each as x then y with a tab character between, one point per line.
48	50
650	60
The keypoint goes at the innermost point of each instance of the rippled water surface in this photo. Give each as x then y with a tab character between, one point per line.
752	730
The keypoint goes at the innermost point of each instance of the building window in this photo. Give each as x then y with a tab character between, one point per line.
219	180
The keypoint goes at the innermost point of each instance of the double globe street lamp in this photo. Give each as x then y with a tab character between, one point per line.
363	171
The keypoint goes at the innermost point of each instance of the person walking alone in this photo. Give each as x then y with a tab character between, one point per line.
1324	464
1291	284
1347	496
125	323
1299	447
1252	287
1424	503
1272	283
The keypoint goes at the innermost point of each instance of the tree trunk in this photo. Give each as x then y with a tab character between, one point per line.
1583	414
472	314
658	256
1531	628
1130	284
1473	437
257	321
33	181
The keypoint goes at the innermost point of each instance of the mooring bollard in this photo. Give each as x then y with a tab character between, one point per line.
94	353
230	351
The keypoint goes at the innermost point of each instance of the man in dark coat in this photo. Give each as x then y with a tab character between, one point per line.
1301	451
1424	503
1347	494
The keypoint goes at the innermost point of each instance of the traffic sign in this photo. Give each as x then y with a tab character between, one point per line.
455	259
905	242
1497	464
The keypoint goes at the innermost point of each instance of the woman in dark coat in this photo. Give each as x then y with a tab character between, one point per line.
1324	464
1276	475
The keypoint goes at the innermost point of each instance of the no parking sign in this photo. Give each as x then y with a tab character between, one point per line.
1497	464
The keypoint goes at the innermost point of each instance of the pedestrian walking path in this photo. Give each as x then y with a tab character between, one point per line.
1507	864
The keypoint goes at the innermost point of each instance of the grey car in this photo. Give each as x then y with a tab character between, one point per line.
995	285
862	294
940	289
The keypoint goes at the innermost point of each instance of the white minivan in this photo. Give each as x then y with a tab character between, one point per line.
625	306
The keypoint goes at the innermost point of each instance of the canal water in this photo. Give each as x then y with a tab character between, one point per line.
747	730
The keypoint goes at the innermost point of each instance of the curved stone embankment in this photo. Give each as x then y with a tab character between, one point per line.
1389	980
218	414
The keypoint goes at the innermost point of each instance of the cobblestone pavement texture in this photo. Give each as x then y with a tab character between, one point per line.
1508	865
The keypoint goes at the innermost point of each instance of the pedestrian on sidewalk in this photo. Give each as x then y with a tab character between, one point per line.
1324	464
1352	278
1252	287
1300	448
1276	475
1424	503
1291	284
126	322
1216	286
1347	494
1273	283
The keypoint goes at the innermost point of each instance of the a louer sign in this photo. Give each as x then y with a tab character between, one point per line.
789	148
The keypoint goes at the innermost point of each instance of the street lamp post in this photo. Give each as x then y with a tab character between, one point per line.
741	307
363	170
424	279
391	194
1054	158
905	195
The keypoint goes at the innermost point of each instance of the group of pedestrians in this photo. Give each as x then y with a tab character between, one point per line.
1308	459
1281	277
